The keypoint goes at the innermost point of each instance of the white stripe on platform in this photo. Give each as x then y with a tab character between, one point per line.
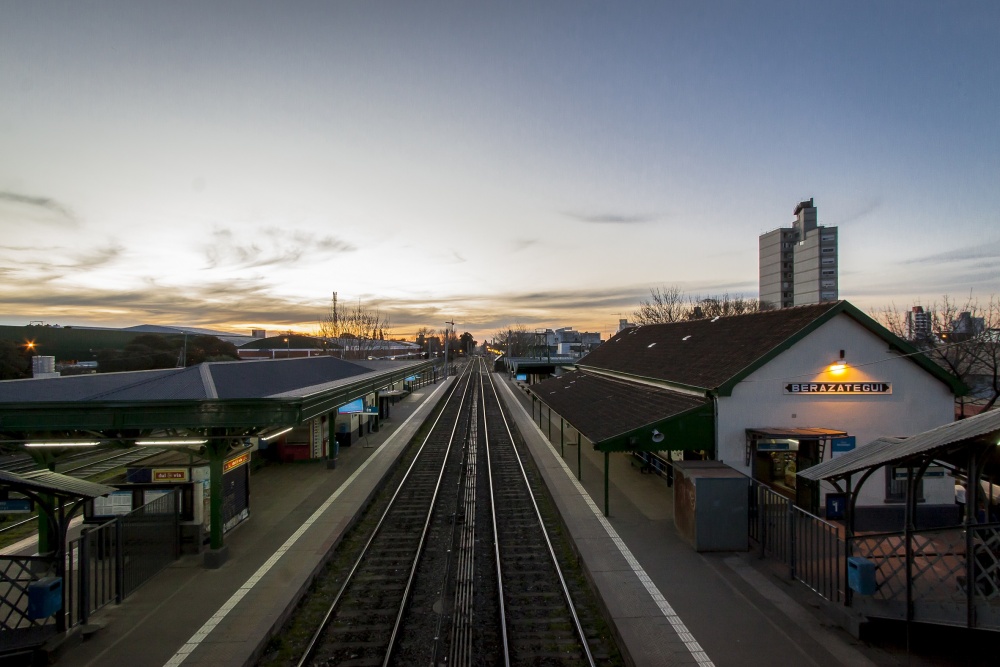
191	644
693	647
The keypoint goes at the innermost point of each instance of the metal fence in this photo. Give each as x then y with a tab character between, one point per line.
18	630
947	576
811	547
109	562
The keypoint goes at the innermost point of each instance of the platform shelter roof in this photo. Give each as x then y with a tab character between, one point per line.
938	443
622	416
211	394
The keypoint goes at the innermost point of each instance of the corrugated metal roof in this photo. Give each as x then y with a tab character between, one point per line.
602	408
887	450
75	387
259	379
52	482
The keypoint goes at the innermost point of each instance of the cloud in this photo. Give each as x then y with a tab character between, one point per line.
610	218
517	245
271	246
42	209
982	251
861	210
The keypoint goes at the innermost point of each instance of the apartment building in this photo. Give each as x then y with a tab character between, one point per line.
798	264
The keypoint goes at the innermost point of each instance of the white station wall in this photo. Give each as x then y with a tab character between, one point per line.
918	401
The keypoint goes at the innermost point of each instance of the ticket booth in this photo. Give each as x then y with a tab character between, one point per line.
187	474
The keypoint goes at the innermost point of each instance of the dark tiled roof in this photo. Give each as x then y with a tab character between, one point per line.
602	408
702	353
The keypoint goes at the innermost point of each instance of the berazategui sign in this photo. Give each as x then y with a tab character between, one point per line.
841	388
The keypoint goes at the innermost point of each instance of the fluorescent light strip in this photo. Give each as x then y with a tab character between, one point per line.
68	443
275	435
168	443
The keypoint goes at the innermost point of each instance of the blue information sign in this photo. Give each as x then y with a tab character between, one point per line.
841	445
836	505
16	505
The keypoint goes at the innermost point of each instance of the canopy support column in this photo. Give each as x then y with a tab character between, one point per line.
607	463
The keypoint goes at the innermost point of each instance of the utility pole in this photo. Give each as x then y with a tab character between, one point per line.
447	335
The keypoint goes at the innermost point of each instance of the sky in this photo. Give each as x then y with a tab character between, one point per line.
231	164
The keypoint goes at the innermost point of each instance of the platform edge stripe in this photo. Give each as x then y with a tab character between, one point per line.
196	639
694	648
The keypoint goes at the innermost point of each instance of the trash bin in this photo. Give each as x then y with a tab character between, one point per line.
44	597
861	575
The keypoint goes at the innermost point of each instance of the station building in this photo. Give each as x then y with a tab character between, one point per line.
768	394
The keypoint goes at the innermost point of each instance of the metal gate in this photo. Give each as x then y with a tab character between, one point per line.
108	563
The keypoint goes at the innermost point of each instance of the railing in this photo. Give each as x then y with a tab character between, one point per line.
927	576
18	631
108	563
812	548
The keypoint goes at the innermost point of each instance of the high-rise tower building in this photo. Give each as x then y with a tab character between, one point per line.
798	264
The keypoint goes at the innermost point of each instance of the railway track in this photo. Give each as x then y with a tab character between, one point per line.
459	569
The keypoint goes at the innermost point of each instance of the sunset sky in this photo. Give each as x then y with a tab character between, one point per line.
230	164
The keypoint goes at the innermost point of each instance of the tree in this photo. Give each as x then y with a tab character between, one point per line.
467	343
670	304
963	339
515	341
365	326
14	365
210	348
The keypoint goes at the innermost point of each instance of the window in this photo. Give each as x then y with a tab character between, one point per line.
829	260
828	237
828	250
895	485
829	272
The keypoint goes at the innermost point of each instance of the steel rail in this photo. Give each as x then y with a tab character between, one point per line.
427	525
314	641
545	534
496	542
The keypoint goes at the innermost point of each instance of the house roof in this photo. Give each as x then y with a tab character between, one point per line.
616	415
714	355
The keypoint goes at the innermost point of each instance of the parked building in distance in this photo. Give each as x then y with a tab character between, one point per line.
918	323
798	264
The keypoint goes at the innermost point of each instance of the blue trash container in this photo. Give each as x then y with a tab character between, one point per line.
861	575
44	597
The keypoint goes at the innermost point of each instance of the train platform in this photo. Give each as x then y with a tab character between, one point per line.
667	604
189	615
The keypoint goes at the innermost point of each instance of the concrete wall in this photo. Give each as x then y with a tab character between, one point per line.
918	401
